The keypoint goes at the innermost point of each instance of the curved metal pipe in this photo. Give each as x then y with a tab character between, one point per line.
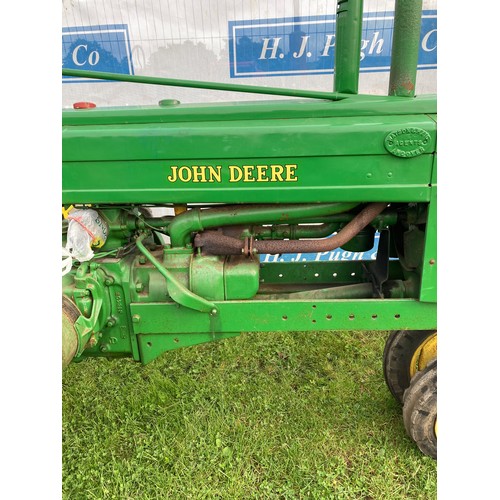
218	244
198	220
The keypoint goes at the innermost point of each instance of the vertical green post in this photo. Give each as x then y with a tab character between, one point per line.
405	47
348	45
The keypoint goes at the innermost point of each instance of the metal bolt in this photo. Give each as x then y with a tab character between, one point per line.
104	348
139	287
136	318
142	259
109	281
111	322
432	262
213	312
91	343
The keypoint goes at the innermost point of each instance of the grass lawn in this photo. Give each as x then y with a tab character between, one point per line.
278	416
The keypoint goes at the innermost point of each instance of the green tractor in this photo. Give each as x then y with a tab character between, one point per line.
168	210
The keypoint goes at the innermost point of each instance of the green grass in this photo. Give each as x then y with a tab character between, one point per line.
278	416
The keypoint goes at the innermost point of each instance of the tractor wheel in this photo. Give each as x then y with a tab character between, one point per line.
406	352
70	313
420	409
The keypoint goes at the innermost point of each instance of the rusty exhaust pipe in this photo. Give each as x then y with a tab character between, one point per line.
215	243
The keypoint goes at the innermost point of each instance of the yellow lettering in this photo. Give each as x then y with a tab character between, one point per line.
245	173
215	175
261	173
173	176
290	173
248	169
276	173
235	173
199	173
184	174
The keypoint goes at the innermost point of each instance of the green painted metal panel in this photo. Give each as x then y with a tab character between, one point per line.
369	314
428	289
362	105
151	346
434	171
321	272
272	138
183	155
241	277
206	277
319	179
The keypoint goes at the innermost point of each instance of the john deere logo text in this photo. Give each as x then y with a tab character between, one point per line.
233	173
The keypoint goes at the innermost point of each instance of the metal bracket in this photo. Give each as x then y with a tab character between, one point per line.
379	270
248	246
177	291
90	284
84	326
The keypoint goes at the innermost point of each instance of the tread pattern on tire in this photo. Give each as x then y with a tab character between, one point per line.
420	409
398	353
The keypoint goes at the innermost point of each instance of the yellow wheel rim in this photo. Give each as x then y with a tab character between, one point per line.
426	352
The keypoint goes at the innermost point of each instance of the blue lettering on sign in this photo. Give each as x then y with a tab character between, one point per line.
306	45
333	255
96	48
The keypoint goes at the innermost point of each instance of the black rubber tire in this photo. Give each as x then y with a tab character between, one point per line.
398	352
420	409
70	313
